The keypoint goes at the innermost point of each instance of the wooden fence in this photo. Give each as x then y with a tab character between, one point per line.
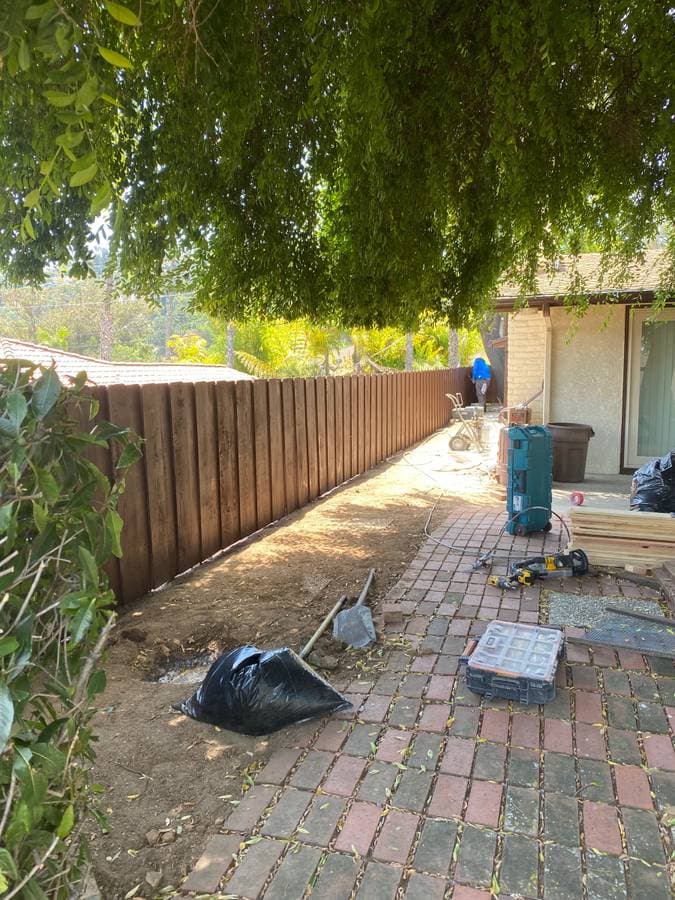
222	460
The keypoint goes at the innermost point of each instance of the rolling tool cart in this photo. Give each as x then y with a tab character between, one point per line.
469	422
529	479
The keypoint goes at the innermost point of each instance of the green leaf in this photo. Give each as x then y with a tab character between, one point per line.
66	823
114	525
33	891
6	716
8	645
46	166
4	884
121	13
16	408
114	58
130	455
81	622
46	391
58	98
97	683
28	225
24	55
7	863
32	199
48	485
101	199
40	516
84	176
6	512
38	10
89	566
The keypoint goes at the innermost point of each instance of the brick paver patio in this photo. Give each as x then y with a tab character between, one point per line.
424	791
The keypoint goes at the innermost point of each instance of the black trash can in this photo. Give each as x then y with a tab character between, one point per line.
570	448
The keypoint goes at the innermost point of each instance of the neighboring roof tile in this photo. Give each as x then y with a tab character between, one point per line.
99	371
644	275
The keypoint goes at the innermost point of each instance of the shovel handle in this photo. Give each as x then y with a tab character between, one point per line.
322	627
366	588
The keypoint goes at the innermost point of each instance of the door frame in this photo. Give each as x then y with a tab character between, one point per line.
635	318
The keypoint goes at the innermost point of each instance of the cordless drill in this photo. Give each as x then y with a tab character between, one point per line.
525	572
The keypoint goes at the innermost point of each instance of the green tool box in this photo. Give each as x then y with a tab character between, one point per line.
529	479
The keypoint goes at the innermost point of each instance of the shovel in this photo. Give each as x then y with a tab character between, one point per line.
355	626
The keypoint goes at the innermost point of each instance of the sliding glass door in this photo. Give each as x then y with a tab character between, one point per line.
650	412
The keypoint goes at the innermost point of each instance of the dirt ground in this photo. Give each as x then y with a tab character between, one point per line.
161	770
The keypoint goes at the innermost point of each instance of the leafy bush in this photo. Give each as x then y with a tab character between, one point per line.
58	528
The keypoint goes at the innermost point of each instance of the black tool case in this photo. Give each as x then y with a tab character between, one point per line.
514	661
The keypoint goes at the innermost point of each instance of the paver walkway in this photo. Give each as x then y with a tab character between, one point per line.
424	791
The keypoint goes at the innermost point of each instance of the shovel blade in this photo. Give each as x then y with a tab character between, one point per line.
354	627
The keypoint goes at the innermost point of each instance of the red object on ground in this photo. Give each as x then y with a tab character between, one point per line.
576	498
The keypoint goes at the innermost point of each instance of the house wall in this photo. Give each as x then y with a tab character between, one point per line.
580	362
526	359
587	357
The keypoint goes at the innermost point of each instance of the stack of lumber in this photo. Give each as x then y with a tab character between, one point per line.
614	538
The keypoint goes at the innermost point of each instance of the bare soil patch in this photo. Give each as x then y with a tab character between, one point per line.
160	770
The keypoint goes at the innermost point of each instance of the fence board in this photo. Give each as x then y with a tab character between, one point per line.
368	423
380	417
157	453
354	384
246	457
312	439
277	464
290	453
361	380
347	426
124	408
209	480
183	426
263	477
330	432
322	448
228	463
100	457
300	401
339	431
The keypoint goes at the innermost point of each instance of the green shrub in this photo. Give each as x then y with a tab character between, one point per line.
58	528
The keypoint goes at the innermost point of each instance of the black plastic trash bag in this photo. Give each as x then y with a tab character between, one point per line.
653	487
259	691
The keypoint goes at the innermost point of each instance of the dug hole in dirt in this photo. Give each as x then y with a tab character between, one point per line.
167	781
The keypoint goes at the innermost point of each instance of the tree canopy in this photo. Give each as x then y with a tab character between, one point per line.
360	163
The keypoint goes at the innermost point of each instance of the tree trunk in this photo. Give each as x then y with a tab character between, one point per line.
167	302
106	325
230	345
409	352
453	349
491	329
356	356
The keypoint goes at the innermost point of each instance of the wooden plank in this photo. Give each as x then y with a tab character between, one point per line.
207	468
369	421
339	430
355	423
587	642
312	439
376	419
290	451
246	457
321	435
301	445
361	380
347	426
277	462
228	462
263	471
385	416
101	457
330	432
186	478
158	454
124	408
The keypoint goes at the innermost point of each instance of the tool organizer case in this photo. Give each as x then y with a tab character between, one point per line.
515	662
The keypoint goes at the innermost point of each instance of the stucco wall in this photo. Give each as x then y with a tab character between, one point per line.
587	379
586	373
526	359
